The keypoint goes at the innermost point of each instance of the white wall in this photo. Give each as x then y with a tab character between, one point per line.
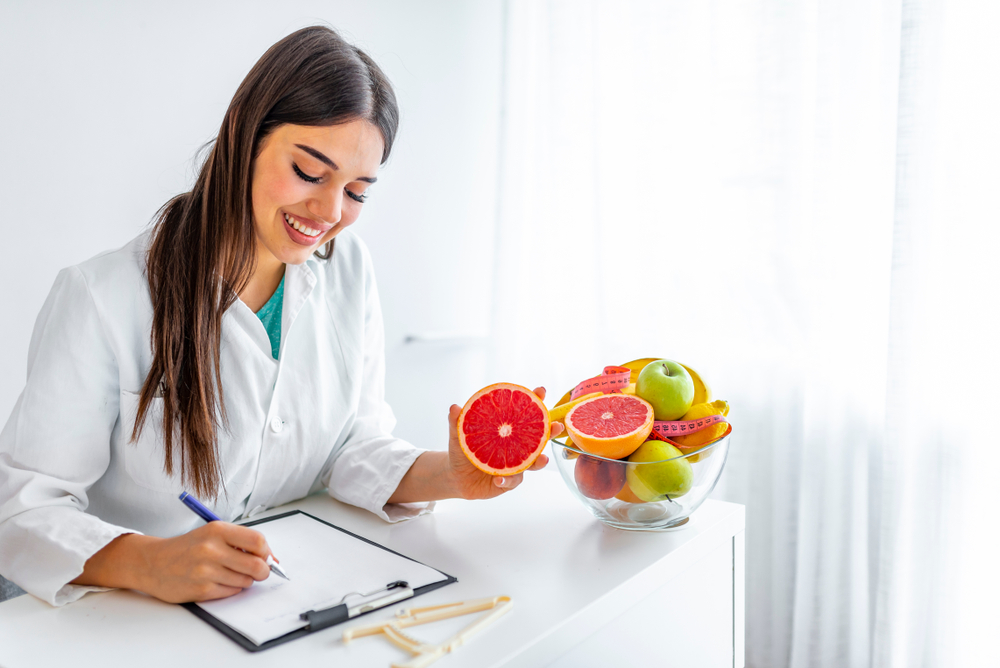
104	105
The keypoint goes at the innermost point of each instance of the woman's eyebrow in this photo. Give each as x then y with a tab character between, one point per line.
319	156
330	163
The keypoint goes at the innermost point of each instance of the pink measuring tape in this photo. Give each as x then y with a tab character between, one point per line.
614	379
617	378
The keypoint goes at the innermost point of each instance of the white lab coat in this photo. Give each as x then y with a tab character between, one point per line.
70	480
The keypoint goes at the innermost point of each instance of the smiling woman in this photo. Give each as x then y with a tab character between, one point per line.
237	349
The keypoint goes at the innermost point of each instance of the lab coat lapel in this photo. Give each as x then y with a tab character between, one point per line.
299	283
348	317
249	325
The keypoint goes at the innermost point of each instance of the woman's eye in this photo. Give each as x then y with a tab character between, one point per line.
356	197
304	176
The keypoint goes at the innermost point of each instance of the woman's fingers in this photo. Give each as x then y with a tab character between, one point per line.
540	393
249	565
539	463
244	538
453	412
227	577
557	428
507	483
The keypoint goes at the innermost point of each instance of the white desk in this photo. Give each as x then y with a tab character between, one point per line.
584	595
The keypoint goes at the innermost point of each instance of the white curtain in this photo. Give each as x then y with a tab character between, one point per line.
799	200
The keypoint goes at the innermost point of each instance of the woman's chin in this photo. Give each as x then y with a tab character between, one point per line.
298	255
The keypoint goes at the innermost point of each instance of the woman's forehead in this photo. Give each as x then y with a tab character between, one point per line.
355	145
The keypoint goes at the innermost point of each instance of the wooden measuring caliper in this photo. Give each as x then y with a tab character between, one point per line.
424	653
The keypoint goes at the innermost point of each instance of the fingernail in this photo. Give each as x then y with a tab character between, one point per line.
501	482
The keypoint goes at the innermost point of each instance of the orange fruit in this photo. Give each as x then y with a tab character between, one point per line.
612	425
628	496
709	449
503	428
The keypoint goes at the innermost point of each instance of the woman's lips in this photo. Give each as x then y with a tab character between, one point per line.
303	231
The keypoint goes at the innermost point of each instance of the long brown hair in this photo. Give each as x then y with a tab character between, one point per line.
203	251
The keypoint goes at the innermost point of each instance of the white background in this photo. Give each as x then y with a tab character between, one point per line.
105	105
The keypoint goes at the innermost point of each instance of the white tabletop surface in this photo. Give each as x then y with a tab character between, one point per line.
567	573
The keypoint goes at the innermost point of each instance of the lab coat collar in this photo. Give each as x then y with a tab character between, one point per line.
300	280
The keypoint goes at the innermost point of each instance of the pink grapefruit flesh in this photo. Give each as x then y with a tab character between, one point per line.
503	428
612	426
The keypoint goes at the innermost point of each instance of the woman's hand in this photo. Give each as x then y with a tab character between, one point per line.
449	475
213	561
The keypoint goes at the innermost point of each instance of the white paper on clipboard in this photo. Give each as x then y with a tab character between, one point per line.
324	563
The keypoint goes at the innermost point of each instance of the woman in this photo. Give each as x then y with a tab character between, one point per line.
235	350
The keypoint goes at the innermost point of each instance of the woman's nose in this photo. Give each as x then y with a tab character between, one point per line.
329	207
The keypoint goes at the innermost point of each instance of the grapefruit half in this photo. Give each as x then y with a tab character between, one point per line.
612	426
503	428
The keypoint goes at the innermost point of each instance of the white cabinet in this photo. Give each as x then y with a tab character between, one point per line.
695	619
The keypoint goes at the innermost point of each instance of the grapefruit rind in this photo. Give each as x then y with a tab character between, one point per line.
483	429
615	446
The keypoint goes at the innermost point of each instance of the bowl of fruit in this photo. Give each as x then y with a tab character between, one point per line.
644	444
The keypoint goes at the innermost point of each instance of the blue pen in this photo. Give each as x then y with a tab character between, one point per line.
204	513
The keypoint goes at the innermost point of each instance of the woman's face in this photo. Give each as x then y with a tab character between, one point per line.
309	183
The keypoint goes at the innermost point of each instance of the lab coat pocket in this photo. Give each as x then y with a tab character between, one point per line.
144	459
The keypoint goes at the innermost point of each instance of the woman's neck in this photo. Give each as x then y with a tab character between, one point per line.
263	283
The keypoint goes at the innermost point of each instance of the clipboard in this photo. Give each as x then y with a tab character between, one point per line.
330	615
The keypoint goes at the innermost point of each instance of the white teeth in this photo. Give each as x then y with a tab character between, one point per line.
308	231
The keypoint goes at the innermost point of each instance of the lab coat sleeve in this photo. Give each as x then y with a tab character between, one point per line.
368	467
56	444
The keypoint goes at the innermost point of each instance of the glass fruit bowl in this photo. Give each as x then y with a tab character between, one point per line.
614	490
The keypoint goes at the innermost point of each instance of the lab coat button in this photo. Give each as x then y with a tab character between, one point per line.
276	424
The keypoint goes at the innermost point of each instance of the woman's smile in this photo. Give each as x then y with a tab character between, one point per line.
304	231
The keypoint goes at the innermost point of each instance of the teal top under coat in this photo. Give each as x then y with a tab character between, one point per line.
270	316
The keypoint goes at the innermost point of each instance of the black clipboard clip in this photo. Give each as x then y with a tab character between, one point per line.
391	593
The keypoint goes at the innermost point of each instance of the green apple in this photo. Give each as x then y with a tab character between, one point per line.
668	387
660	481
